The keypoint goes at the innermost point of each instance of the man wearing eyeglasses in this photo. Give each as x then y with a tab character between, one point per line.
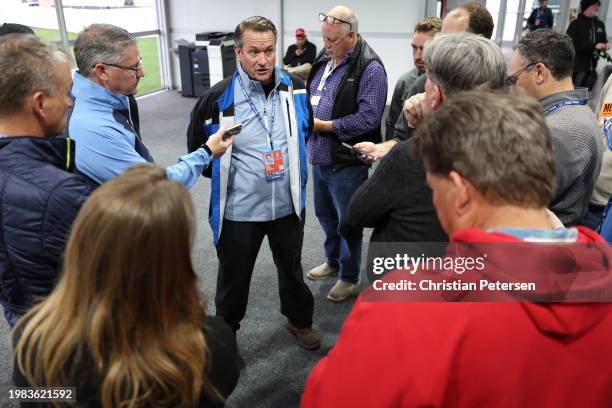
348	91
104	122
471	17
541	66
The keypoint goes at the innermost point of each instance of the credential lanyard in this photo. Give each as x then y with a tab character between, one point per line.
328	71
567	102
258	115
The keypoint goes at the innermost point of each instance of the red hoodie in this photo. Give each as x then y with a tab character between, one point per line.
509	354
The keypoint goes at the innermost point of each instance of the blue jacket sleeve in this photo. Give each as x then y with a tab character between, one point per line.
189	167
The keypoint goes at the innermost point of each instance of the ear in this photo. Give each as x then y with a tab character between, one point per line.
462	192
37	100
238	51
542	73
437	97
101	72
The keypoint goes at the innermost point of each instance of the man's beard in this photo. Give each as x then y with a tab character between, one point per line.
420	66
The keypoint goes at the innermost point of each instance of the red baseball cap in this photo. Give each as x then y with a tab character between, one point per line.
300	32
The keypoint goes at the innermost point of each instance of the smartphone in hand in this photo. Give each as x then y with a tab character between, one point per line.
233	131
355	152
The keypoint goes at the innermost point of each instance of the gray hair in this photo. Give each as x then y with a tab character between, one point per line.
27	65
499	142
100	43
463	61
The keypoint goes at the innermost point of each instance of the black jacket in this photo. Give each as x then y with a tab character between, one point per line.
223	371
585	32
540	19
308	57
345	100
396	201
39	200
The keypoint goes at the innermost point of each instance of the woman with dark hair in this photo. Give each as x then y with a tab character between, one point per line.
126	324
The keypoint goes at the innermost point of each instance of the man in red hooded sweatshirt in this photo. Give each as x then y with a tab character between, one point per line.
490	165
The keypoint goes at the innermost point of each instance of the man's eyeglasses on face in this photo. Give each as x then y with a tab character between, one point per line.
332	20
134	68
514	77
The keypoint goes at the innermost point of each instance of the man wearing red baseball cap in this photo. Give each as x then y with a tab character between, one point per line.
300	56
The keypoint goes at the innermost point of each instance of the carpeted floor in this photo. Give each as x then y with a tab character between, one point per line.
276	368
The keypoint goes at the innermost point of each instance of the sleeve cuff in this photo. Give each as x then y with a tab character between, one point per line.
207	149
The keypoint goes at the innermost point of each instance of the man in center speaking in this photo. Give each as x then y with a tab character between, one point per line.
259	185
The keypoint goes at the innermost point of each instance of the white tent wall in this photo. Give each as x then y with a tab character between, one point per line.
387	24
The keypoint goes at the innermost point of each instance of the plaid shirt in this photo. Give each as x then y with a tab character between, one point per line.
371	99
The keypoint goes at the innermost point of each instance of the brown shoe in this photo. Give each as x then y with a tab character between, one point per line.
307	337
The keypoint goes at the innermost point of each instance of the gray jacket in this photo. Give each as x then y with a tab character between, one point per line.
578	148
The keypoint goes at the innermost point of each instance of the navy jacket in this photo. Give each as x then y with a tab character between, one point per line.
39	200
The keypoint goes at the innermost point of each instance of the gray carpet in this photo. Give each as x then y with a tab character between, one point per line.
276	368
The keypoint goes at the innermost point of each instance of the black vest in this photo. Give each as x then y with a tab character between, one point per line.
345	100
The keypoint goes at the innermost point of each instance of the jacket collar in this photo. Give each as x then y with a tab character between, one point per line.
84	89
58	151
550	100
252	85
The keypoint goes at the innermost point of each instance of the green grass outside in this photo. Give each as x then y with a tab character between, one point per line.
149	52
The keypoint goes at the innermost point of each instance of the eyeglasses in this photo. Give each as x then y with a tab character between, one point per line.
332	20
133	69
514	77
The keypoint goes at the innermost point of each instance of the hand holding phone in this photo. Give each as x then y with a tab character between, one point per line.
233	131
367	157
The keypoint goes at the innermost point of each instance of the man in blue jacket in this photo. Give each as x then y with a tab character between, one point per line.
39	195
259	186
104	122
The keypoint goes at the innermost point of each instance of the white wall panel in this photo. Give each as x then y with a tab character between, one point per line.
386	24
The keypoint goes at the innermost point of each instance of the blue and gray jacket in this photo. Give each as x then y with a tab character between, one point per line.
216	108
105	128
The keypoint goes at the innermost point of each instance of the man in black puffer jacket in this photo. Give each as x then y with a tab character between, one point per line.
39	196
588	34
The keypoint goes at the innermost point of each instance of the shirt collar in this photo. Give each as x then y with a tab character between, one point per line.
252	84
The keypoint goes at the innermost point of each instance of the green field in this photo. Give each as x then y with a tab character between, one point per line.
149	52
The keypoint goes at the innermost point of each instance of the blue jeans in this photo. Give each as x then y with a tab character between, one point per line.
593	218
333	190
606	222
11	316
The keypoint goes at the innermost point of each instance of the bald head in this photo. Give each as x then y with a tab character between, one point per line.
346	14
456	21
470	17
